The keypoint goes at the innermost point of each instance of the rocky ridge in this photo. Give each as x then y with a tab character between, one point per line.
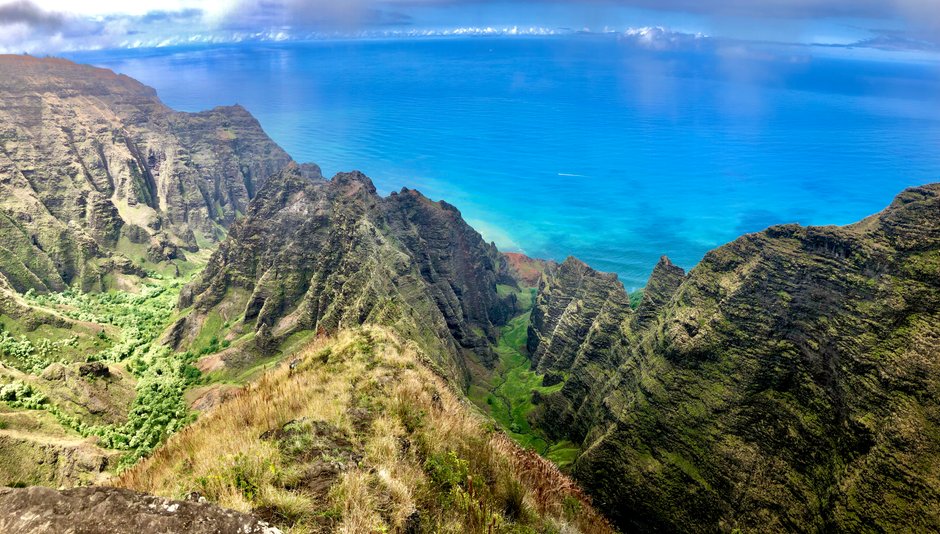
789	382
38	510
322	255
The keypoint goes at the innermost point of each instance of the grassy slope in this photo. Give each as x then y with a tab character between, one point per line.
119	328
363	437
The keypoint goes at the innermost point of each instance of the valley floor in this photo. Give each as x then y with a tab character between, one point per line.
506	392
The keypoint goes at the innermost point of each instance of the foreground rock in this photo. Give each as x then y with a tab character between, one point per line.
104	510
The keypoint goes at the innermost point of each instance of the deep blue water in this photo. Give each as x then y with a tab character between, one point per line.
586	146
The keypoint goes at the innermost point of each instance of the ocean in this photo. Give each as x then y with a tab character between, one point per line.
605	148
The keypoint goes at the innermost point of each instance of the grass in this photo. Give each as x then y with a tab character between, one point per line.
524	297
363	437
506	394
210	335
563	453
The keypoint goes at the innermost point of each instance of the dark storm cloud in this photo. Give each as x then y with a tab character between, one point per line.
28	13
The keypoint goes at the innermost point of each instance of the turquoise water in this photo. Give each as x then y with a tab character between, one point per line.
585	145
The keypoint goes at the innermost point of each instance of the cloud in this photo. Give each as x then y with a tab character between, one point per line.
27	27
314	14
24	12
61	25
163	16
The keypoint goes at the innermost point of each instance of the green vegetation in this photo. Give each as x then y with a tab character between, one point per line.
20	395
158	410
127	326
525	297
140	317
29	357
563	453
507	394
636	297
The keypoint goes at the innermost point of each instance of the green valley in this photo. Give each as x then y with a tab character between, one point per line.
508	392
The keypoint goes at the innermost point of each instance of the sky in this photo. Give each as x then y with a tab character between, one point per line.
50	26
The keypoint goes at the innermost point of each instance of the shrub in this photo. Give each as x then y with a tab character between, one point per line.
243	477
20	395
512	497
447	470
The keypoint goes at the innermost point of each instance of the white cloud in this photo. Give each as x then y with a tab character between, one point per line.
50	26
134	8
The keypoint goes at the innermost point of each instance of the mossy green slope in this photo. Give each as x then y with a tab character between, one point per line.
791	382
509	390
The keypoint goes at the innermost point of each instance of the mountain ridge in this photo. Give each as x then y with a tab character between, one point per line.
320	255
797	355
99	175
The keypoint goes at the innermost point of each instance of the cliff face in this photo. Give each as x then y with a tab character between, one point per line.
92	163
313	254
790	382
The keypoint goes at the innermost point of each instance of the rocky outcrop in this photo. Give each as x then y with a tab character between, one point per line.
574	302
527	271
38	510
791	382
659	290
576	332
316	254
89	158
32	457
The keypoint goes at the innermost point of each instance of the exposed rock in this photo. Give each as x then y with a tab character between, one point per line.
39	510
527	271
35	458
573	301
88	156
791	382
94	370
659	290
550	379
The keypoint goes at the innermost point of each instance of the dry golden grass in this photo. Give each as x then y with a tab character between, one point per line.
363	437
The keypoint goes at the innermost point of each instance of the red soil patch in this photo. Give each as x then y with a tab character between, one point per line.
527	270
